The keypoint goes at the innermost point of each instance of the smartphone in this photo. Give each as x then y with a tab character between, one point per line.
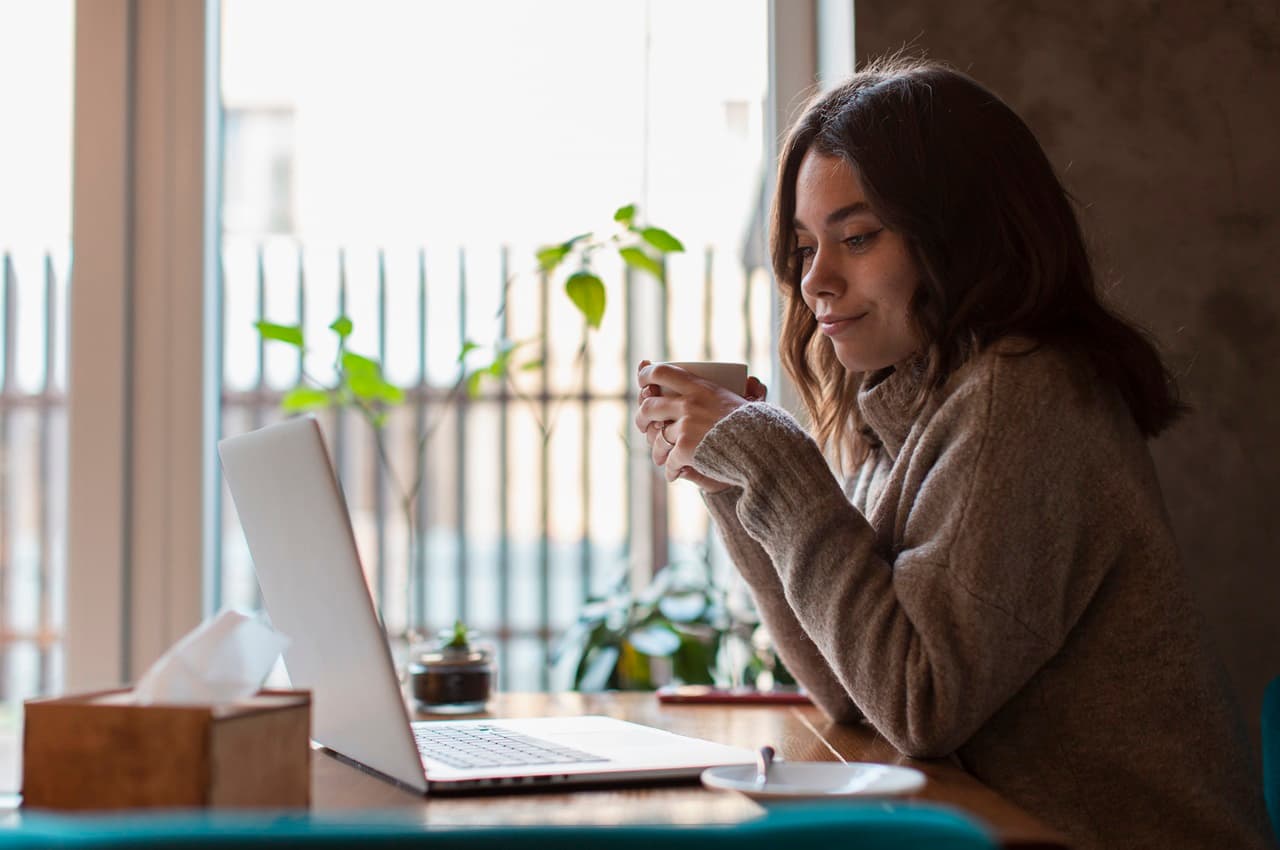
744	696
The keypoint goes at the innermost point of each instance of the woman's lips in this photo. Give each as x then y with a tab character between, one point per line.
834	324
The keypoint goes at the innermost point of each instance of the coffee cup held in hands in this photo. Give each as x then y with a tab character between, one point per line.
731	376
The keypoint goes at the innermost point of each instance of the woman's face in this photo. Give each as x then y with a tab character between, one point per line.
856	275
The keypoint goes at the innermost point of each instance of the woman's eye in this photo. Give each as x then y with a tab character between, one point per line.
804	253
862	240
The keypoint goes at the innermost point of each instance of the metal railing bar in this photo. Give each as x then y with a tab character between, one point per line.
340	421
585	482
10	322
6	532
379	474
420	397
219	552
44	639
708	305
260	288
660	507
544	480
504	478
44	563
630	392
300	281
37	400
707	271
256	414
460	445
413	395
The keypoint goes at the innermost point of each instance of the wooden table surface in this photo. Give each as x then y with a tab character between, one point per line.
798	733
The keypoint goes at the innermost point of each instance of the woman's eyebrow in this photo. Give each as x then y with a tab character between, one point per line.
847	211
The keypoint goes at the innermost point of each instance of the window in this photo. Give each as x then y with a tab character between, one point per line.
398	162
350	184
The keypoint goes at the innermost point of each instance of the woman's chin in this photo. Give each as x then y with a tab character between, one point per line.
861	362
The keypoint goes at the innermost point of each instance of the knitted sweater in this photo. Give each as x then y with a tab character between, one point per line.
999	583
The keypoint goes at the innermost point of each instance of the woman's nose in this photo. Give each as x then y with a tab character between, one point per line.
823	279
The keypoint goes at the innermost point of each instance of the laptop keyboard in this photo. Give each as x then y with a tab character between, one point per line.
492	746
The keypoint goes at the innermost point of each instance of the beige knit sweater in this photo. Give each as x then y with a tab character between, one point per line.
1000	583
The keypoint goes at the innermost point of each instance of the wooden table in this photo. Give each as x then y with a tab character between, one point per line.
796	732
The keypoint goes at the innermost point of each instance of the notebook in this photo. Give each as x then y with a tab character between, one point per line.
299	533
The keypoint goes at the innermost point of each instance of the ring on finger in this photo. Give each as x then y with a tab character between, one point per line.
663	432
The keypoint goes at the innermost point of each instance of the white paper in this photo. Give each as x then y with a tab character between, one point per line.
224	659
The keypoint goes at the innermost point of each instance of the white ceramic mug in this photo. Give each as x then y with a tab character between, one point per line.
731	376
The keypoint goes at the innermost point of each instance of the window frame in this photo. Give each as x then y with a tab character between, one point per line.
140	345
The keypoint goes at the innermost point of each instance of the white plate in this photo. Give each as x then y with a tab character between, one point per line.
809	779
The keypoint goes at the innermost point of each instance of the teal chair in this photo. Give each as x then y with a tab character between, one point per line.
861	826
1271	752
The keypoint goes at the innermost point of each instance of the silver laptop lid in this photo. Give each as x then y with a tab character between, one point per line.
299	532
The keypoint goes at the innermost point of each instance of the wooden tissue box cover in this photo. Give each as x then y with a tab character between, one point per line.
94	751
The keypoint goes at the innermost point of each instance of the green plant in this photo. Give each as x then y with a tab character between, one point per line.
461	637
634	243
359	384
680	628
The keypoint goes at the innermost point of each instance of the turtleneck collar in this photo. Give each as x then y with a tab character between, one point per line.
886	398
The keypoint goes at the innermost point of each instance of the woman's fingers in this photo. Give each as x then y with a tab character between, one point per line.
756	391
668	377
657	408
659	448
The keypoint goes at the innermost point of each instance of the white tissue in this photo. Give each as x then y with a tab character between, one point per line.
224	659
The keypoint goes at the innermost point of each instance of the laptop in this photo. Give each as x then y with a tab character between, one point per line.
299	533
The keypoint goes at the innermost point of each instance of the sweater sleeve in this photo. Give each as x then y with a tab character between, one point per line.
928	640
794	646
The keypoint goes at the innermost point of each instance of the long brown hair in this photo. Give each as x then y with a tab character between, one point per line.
947	164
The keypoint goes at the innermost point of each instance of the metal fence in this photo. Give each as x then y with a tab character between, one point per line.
32	464
537	493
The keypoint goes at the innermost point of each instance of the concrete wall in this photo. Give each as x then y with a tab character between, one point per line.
1164	120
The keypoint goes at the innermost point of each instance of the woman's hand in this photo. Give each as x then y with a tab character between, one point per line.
677	409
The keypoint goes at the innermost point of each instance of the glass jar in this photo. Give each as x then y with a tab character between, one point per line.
450	677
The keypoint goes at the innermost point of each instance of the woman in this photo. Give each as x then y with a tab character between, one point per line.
992	575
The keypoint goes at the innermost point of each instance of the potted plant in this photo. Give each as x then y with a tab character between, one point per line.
682	628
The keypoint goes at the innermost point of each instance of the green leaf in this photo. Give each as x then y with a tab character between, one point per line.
292	334
467	347
357	365
638	259
656	639
460	637
662	240
341	326
302	399
683	607
551	256
391	394
473	383
586	291
694	661
364	377
597	670
633	670
531	365
625	215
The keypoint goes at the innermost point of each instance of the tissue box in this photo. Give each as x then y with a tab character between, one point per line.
97	751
